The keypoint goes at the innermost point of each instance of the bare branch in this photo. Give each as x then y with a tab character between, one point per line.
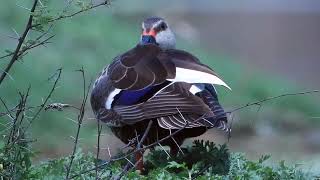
80	119
15	55
127	168
42	106
99	129
105	2
135	151
258	103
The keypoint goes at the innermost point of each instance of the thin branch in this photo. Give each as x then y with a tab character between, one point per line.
31	46
16	33
6	107
135	151
7	55
15	108
18	53
59	106
80	119
99	129
21	40
258	103
168	155
42	106
127	168
14	135
144	135
177	131
105	2
49	95
21	107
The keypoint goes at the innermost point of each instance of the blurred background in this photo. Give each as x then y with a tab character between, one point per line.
260	48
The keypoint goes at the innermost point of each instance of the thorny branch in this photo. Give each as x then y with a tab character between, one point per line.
43	105
105	2
15	139
15	133
80	119
21	40
21	51
34	44
22	108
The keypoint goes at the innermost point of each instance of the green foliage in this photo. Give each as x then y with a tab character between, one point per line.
241	168
204	160
56	168
15	158
203	155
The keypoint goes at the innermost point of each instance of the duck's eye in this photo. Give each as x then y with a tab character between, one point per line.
163	26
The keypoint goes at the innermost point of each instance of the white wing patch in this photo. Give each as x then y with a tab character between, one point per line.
193	76
111	97
194	89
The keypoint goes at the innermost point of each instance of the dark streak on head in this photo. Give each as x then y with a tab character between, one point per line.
148	23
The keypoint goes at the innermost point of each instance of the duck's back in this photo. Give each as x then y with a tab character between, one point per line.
170	87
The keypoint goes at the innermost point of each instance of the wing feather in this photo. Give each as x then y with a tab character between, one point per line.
150	65
171	100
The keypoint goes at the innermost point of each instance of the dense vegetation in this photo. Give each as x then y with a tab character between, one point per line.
203	160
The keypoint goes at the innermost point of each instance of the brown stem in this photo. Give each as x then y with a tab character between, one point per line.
80	119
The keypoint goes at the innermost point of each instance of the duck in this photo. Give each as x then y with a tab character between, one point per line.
156	82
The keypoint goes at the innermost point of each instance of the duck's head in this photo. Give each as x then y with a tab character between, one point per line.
155	30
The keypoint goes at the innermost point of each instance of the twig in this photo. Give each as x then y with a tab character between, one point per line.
99	128
6	107
105	2
194	176
14	109
80	119
177	131
144	135
21	40
164	150
15	134
31	46
127	168
258	103
18	52
59	106
24	49
135	151
42	106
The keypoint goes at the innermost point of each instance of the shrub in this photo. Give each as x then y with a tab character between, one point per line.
203	160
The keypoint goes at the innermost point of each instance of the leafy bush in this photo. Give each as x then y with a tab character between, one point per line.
203	160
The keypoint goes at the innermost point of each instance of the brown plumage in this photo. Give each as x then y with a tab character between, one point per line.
150	83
